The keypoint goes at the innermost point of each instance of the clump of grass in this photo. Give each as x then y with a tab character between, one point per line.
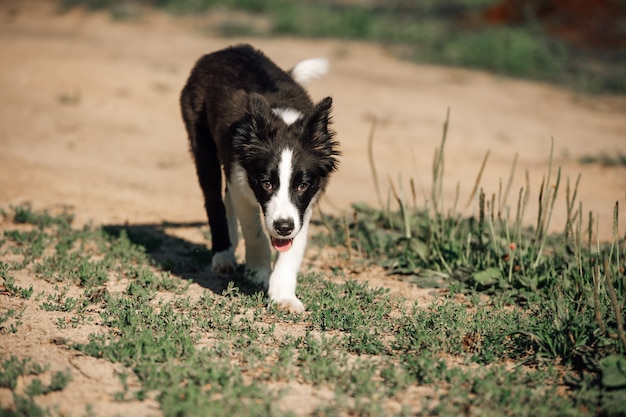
512	51
69	98
12	369
24	214
6	317
494	254
10	286
605	159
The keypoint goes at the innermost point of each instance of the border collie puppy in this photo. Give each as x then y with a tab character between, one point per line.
245	115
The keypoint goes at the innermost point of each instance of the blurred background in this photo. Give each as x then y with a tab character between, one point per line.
578	43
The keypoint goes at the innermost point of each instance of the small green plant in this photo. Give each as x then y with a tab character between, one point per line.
11	287
59	301
58	382
13	368
11	314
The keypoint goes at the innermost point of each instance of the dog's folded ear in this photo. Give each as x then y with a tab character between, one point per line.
321	136
251	135
259	110
254	128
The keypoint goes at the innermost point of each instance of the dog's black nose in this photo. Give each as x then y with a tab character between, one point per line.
283	226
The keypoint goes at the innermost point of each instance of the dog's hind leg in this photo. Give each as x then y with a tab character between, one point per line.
231	217
210	176
209	173
258	253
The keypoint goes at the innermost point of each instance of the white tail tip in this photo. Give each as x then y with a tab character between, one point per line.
306	71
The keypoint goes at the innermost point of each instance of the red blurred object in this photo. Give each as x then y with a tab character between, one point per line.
587	23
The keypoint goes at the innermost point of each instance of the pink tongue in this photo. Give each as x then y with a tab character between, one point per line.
282	245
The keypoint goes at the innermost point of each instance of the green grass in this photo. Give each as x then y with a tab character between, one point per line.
13	368
548	339
426	31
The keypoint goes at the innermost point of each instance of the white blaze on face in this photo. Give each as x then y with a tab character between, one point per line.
280	207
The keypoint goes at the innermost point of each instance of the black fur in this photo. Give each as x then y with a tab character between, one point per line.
227	109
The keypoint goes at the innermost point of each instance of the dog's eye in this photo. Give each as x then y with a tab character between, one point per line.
266	184
303	186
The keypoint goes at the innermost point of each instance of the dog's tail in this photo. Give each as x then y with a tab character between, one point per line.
306	71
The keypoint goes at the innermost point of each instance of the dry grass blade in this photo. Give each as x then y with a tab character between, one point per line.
370	156
522	203
540	209
527	194
499	198
595	273
355	220
509	183
492	231
551	200
579	239
519	215
400	199
544	197
570	199
590	231
457	193
478	178
413	193
615	303
481	216
438	169
615	243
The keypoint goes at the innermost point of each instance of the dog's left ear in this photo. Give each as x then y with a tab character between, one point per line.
259	113
321	136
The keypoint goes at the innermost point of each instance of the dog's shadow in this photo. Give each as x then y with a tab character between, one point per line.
181	257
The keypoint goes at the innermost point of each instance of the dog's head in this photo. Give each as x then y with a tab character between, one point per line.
287	157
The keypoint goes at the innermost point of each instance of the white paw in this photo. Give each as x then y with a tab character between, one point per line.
224	262
291	304
260	277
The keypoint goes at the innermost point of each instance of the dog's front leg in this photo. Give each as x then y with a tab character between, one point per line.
282	289
258	253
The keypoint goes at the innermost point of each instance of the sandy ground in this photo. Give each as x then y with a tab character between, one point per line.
89	120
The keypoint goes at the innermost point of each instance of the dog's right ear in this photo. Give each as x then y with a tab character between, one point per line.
250	136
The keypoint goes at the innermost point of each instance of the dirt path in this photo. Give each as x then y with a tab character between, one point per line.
89	120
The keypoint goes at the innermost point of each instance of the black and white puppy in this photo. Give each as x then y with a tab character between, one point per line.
246	115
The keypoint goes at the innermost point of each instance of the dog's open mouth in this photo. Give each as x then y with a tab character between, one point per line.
281	245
